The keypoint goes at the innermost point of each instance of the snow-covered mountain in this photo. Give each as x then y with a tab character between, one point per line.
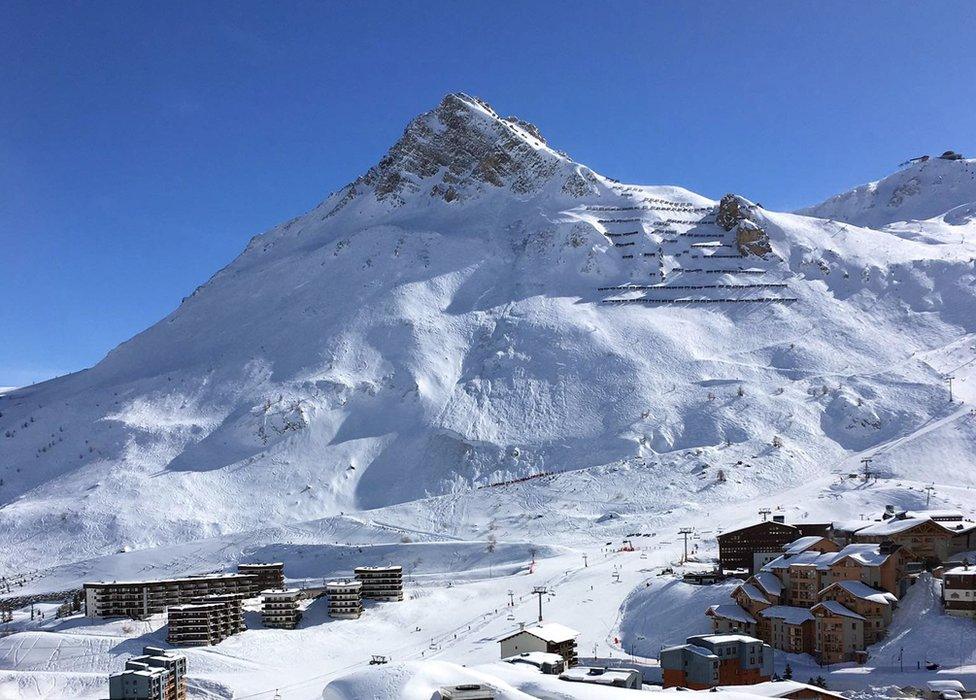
926	188
479	307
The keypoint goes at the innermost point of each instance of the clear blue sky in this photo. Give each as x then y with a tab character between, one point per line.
142	144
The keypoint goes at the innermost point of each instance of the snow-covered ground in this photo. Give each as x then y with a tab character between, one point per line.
422	370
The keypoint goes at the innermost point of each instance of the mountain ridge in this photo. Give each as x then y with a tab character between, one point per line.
409	344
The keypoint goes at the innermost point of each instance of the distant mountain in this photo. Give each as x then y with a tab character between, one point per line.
923	190
478	307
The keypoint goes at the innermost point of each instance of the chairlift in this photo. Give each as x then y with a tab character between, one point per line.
377	660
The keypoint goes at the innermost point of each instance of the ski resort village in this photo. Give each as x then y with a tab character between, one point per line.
486	424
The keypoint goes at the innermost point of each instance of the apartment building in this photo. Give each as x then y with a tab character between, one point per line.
139	599
737	548
876	607
270	576
204	623
158	674
345	599
789	628
705	661
840	632
281	608
381	582
881	566
959	591
928	539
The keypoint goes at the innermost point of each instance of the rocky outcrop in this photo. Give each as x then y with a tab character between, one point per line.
459	149
735	212
733	209
751	239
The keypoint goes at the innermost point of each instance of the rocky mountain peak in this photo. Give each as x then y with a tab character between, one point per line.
459	150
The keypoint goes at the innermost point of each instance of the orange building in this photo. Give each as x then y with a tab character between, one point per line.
840	632
873	605
930	540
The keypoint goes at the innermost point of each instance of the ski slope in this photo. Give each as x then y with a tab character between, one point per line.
482	341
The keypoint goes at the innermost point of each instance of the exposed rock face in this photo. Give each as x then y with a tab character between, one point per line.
735	212
731	210
751	239
459	149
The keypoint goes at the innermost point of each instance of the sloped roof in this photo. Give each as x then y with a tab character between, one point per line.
895	526
693	649
752	592
731	611
787	613
802	544
864	591
547	632
837	609
769	583
768	524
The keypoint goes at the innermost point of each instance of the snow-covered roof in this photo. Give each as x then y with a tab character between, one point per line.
547	632
726	638
599	675
787	560
693	649
769	583
731	611
950	515
752	592
535	658
789	614
893	526
802	544
863	553
961	571
948	684
850	525
837	609
864	591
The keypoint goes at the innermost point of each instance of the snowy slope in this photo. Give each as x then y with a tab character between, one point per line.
923	190
439	324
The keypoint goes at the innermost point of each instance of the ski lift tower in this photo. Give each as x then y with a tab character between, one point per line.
540	591
685	531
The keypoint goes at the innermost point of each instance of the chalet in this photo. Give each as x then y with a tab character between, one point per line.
750	598
770	586
550	637
731	618
927	538
805	574
839	633
959	591
873	605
